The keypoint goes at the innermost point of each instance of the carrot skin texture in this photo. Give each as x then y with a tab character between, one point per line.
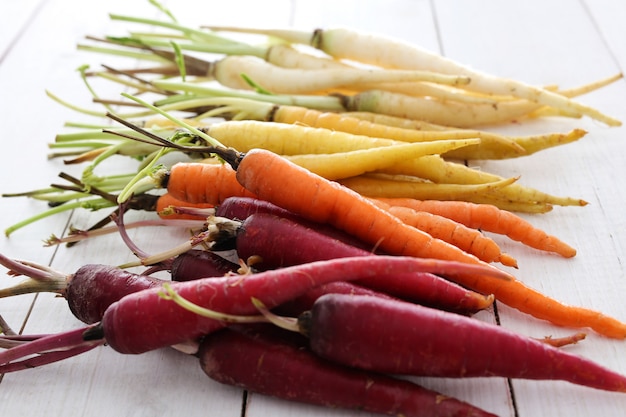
93	288
281	242
240	208
267	236
167	200
403	338
305	302
144	321
468	239
489	218
196	263
317	199
269	362
183	184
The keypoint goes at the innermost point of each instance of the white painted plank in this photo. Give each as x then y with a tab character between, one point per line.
14	21
609	21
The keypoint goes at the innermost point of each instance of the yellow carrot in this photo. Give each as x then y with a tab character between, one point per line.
438	170
339	165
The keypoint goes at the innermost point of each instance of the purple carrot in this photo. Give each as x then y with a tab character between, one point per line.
240	208
281	242
269	362
403	338
124	324
198	263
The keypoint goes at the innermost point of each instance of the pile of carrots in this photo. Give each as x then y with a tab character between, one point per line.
340	192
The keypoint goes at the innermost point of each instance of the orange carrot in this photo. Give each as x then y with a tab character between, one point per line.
167	201
198	182
277	180
283	183
459	235
489	218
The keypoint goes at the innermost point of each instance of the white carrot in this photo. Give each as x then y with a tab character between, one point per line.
228	72
383	51
442	112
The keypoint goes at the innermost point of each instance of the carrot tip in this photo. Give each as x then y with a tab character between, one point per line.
564	341
507	260
488	301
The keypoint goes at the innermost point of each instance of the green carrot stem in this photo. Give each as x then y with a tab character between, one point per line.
193	34
144	56
318	102
93	204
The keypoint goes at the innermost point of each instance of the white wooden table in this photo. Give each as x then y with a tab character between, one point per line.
539	41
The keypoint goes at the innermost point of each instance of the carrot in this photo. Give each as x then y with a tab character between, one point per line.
266	236
490	219
241	208
530	144
202	183
228	70
403	186
89	291
381	335
344	123
168	207
124	328
275	179
468	239
269	362
340	165
490	143
288	139
438	170
283	183
376	49
197	263
395	121
287	56
491	146
449	113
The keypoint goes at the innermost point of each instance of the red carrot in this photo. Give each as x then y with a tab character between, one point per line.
197	263
305	302
381	335
89	291
281	242
145	320
272	363
124	324
93	288
241	208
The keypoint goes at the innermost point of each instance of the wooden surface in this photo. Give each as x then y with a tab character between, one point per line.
562	42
